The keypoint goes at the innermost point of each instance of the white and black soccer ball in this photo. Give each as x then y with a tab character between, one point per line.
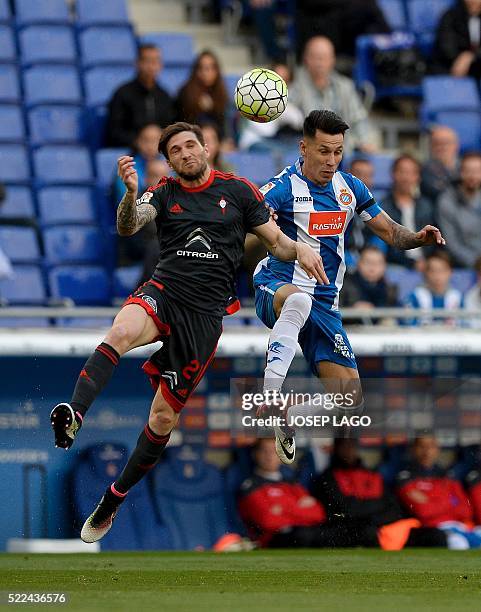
261	95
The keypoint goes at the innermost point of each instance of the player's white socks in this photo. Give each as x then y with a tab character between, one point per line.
283	339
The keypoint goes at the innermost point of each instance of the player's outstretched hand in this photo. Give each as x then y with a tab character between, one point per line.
431	235
127	172
311	263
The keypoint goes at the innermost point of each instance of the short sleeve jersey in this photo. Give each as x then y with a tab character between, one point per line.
201	232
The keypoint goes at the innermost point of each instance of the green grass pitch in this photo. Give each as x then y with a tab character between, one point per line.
257	581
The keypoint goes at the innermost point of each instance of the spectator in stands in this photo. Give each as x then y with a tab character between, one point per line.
363	168
367	286
264	16
212	140
280	513
405	205
473	487
436	291
318	85
355	495
150	169
139	102
430	494
458	40
472	299
204	97
459	213
342	21
442	169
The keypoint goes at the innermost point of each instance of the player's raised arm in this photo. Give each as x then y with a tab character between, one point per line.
285	249
132	214
401	237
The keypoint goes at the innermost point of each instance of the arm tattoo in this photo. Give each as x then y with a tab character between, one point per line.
402	238
131	217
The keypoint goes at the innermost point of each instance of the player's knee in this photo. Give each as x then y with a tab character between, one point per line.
296	308
120	337
163	419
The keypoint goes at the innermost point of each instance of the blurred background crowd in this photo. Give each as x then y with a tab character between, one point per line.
80	85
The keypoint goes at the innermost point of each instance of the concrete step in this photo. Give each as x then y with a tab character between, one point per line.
156	12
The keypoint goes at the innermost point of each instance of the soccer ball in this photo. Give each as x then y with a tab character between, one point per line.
261	95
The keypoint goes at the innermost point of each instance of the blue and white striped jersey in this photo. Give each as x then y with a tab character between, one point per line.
319	216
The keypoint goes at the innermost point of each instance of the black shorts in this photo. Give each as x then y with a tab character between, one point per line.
189	343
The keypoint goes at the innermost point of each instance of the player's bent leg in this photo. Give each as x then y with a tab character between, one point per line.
292	308
132	327
345	381
150	446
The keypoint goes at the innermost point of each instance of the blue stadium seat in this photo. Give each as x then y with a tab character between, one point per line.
52	85
463	279
47	44
423	19
364	70
405	280
230	81
62	164
172	79
9	85
5	15
94	121
14	166
84	322
382	170
257	167
21	322
395	13
18	203
83	284
58	124
106	165
177	48
12	128
107	12
467	125
7	44
20	244
101	82
26	287
136	526
189	494
61	205
447	93
107	45
41	11
126	281
65	244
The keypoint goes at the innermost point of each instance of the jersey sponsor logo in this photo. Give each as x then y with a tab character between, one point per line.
345	197
145	199
267	187
176	209
298	199
327	223
200	237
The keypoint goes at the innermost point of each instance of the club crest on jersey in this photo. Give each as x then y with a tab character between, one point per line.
327	222
345	197
267	187
223	205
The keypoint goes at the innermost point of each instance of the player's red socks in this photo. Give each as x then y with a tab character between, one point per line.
95	374
149	448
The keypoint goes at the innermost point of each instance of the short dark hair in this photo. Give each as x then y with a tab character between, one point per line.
325	121
177	128
372	247
360	159
442	255
405	157
146	47
470	155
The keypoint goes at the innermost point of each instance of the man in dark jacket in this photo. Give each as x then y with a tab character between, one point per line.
458	40
405	205
351	492
139	102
